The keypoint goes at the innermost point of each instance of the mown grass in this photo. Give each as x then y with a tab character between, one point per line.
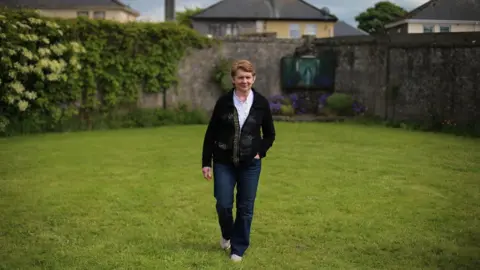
331	196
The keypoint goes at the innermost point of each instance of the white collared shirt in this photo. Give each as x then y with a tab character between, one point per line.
243	108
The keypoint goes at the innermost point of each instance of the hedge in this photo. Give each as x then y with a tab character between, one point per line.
53	70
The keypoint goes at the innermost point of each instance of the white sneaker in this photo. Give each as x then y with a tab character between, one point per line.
235	258
225	244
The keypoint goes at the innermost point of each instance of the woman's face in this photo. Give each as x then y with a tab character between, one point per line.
243	81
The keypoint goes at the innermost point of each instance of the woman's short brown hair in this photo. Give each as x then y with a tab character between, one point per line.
243	65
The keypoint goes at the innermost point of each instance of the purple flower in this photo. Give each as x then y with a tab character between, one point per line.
275	107
357	107
323	99
295	104
301	110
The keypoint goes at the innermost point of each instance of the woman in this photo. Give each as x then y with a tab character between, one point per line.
234	142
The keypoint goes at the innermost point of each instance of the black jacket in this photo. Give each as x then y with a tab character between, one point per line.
226	143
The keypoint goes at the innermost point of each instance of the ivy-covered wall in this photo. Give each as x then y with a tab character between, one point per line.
56	71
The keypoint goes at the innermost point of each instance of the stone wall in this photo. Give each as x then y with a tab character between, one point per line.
435	75
196	86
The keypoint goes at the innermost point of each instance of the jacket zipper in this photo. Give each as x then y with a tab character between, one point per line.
236	138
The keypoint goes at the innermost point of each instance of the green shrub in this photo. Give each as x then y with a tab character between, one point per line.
286	101
287	110
135	118
340	103
39	69
221	74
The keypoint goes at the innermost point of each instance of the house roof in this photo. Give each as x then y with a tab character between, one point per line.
261	10
68	4
342	28
468	10
445	10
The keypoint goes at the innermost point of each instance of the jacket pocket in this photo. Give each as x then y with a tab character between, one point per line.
222	146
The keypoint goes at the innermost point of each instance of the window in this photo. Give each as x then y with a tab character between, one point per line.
235	29
294	31
214	30
82	13
99	14
218	30
311	30
231	29
428	28
228	30
260	26
445	28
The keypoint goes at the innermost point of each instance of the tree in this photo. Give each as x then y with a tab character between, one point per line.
374	19
184	17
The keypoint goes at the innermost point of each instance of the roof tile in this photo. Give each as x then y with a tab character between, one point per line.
260	9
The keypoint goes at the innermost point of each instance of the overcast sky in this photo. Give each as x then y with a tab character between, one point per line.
345	10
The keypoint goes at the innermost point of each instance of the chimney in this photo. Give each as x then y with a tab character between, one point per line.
169	10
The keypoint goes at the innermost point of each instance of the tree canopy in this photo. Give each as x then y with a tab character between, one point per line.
374	19
184	17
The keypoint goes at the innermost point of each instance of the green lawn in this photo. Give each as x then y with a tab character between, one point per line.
331	196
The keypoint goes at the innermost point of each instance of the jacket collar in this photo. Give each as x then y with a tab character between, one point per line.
255	103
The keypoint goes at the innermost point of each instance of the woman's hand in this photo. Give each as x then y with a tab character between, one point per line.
207	173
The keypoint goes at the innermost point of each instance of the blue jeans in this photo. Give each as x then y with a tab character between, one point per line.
246	178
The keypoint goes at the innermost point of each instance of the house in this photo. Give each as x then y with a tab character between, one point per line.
341	29
440	16
95	9
286	18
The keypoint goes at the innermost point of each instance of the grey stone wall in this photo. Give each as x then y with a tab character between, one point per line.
437	75
196	86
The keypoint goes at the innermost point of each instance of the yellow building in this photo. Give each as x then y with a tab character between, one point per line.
287	18
294	29
95	9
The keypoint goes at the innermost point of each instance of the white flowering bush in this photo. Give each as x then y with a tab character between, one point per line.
38	68
77	74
